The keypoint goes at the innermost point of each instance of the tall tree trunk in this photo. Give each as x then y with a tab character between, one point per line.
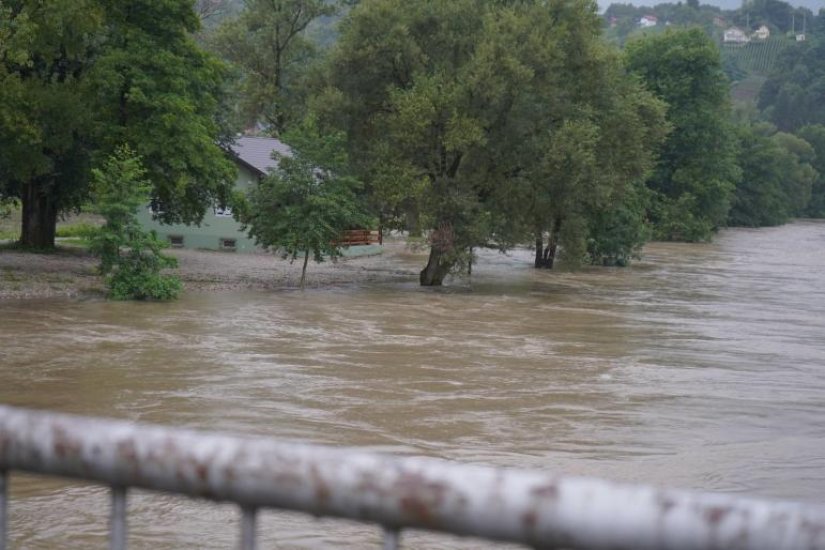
39	217
436	270
539	263
304	270
470	263
552	245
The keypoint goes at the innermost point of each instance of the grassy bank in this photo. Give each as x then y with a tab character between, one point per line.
72	226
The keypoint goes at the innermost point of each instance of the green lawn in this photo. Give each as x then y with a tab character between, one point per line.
70	227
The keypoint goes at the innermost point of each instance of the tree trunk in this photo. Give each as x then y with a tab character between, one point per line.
552	245
39	217
436	271
381	229
304	270
539	263
550	253
470	263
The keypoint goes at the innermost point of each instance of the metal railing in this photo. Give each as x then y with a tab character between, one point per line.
532	508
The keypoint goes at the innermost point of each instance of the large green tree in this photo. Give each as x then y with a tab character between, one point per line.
454	109
406	87
579	136
694	179
792	95
302	208
814	134
777	177
83	77
47	51
268	45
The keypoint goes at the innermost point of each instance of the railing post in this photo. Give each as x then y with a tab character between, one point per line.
117	522
248	526
392	539
4	499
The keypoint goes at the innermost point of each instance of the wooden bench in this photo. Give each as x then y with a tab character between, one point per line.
359	237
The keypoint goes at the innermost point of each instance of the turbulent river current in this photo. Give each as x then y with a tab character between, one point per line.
700	367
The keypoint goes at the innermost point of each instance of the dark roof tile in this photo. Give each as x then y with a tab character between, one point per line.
257	152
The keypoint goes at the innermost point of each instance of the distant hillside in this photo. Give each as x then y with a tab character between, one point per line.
813	5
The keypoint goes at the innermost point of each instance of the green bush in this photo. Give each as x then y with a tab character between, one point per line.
137	278
130	257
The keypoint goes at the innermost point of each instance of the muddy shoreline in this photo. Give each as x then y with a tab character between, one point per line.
72	271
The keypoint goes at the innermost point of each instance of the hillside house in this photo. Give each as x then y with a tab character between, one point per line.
648	21
735	35
219	230
762	33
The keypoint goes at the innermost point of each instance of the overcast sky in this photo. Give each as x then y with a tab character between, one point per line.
813	5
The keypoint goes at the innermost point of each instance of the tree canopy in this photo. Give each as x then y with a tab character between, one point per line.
481	122
303	207
268	45
697	169
792	96
79	79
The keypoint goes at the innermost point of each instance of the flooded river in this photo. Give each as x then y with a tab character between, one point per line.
701	367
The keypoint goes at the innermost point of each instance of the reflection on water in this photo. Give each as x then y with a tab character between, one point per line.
701	367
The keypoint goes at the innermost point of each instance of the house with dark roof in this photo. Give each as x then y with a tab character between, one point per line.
255	158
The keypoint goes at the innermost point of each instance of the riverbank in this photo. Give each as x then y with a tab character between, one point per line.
70	271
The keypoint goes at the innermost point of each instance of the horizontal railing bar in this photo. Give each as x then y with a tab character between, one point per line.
529	507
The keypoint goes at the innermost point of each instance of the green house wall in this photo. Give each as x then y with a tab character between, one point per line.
213	229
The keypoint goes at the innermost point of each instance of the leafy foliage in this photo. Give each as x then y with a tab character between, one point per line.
792	95
267	42
777	177
697	170
302	208
130	257
815	136
487	121
80	77
617	233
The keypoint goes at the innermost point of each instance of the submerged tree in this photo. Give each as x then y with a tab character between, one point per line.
777	177
302	208
814	134
81	77
403	86
482	122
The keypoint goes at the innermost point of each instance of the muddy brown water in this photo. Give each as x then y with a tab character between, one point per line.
701	367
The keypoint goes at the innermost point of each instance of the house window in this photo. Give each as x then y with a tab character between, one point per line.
229	244
176	241
225	212
155	209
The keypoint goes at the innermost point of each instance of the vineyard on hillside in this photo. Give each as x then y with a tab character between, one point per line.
755	57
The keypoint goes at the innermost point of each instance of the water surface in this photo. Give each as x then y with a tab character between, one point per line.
701	367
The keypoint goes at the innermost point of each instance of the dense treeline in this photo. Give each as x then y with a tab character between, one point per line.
775	141
468	123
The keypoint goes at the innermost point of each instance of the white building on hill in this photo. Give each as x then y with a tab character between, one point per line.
735	35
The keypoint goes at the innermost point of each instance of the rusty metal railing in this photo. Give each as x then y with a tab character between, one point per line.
532	508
